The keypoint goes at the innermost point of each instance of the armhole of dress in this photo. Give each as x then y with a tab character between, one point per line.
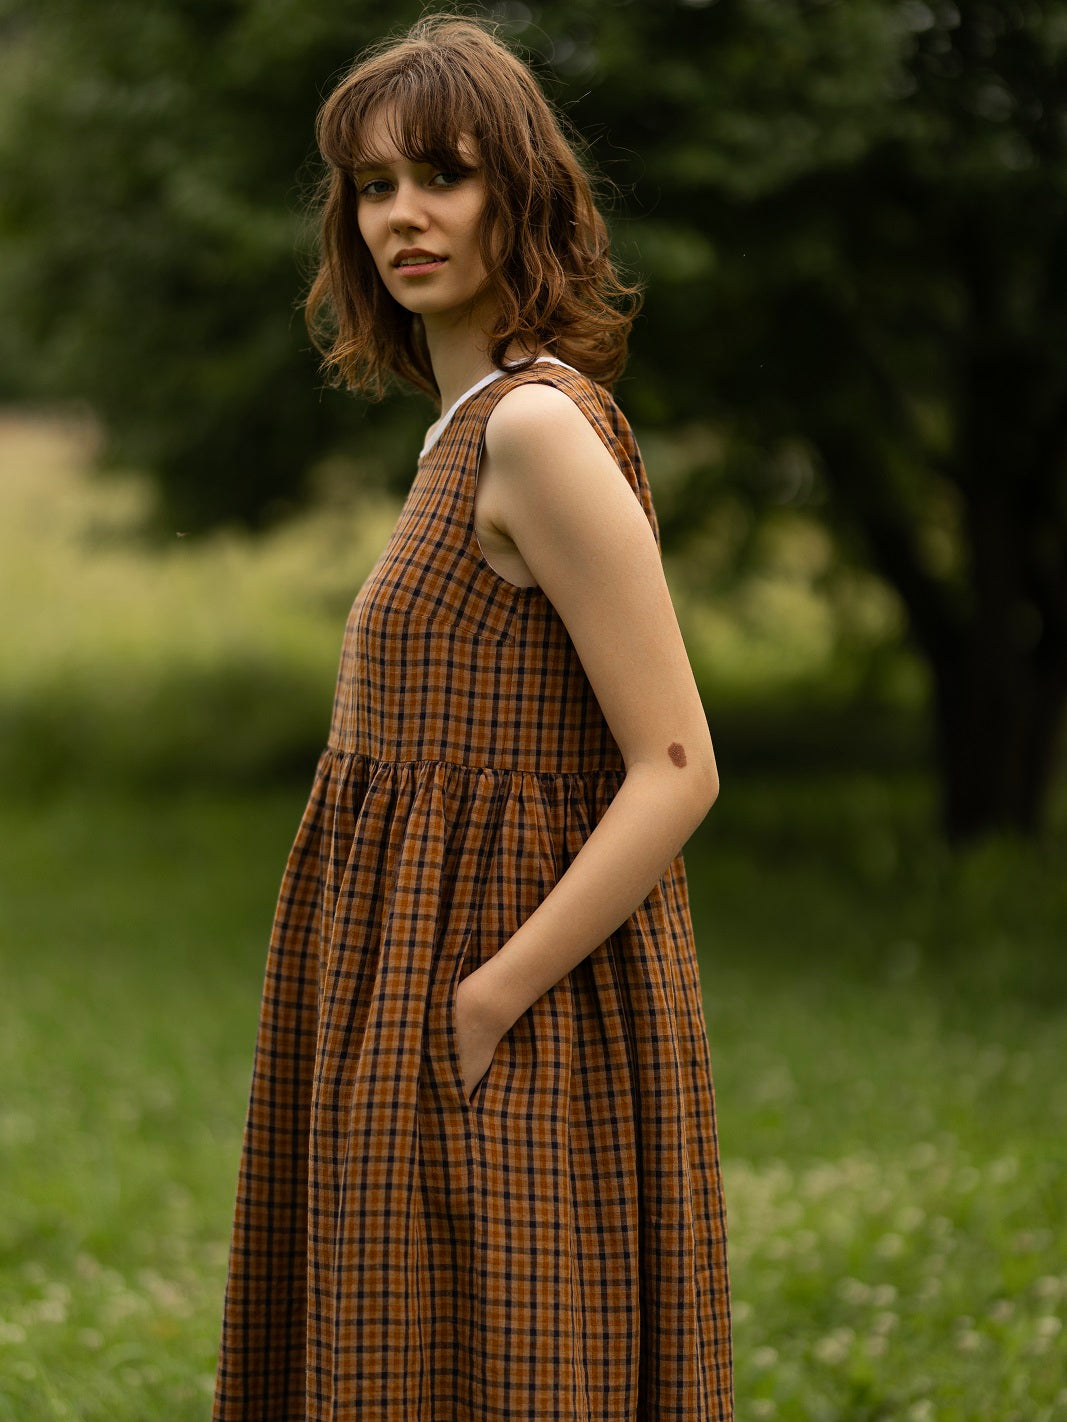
470	493
474	546
557	382
599	422
633	472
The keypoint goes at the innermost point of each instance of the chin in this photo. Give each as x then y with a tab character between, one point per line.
429	307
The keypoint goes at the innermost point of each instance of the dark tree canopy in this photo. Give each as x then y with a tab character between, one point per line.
851	216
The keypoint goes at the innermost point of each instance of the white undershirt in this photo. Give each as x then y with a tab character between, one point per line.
437	429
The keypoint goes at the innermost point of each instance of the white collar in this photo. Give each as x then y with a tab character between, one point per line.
437	429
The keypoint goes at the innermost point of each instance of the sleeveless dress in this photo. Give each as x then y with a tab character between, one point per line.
555	1247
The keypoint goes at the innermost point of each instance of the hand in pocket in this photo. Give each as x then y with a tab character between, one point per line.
477	1035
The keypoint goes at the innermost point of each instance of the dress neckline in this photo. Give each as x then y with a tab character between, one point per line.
437	429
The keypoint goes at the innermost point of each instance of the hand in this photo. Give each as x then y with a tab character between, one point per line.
477	1031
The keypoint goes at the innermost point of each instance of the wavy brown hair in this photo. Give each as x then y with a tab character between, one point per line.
543	241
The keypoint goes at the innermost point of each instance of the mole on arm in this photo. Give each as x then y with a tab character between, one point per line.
676	751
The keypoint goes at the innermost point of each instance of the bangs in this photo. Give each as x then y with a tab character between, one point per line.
430	117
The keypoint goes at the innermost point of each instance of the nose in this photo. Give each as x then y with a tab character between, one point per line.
407	212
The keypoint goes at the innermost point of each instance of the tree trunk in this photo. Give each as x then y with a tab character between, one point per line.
997	653
997	720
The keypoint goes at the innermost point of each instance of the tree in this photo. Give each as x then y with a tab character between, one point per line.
871	200
851	216
157	161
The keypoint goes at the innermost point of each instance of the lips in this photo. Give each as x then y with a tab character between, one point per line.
416	257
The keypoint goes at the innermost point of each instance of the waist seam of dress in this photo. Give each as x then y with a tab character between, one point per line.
590	773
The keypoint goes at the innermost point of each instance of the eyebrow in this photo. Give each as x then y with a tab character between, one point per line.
370	163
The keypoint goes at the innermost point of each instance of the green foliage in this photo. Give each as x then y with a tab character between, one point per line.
864	209
850	217
158	160
212	660
796	179
149	250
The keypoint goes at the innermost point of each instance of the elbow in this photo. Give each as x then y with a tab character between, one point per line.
697	797
713	786
703	786
707	777
709	785
704	772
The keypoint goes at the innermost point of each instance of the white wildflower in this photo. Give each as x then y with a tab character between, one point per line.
889	1246
854	1291
835	1346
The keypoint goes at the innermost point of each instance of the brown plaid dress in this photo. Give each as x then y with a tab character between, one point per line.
553	1250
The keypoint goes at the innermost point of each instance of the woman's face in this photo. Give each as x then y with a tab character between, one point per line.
422	227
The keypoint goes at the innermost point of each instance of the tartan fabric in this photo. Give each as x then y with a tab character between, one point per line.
555	1248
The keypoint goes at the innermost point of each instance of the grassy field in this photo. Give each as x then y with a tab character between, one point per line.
888	1052
886	1021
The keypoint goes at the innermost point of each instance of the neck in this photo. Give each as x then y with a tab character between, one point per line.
459	354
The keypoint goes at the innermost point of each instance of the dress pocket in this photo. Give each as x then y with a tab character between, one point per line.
453	987
458	975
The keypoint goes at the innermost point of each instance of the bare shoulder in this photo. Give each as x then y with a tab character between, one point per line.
533	420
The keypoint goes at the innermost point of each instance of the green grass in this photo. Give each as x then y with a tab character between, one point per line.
887	1023
887	1039
133	938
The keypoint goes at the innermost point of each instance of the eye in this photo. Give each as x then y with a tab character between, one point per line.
448	179
374	187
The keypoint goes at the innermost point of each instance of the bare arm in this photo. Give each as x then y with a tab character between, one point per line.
572	515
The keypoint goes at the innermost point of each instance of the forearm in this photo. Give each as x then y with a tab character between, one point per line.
638	837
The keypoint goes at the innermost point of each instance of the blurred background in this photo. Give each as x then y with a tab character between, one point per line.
849	381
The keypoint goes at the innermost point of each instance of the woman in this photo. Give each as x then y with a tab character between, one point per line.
480	1176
